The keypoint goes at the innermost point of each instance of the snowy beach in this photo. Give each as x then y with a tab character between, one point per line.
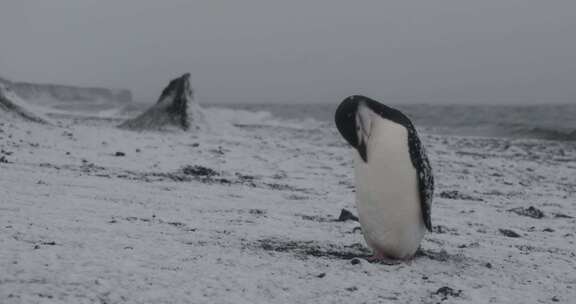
247	212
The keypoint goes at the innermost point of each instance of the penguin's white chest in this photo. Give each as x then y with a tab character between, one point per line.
387	193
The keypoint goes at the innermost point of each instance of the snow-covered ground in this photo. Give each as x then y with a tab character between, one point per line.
248	214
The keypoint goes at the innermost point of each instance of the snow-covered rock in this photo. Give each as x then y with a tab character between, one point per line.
175	109
11	105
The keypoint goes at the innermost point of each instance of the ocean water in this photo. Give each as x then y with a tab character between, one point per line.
551	122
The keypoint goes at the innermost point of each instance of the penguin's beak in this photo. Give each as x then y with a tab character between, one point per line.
363	130
362	150
362	138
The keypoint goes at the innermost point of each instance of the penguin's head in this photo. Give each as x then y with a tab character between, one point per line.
355	120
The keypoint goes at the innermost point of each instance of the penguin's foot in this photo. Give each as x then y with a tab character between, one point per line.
380	258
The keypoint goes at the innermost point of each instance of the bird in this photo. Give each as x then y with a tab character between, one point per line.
393	177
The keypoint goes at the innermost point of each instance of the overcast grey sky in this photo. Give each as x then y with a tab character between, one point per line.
299	51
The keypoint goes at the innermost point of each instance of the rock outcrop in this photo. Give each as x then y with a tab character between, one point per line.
175	109
12	106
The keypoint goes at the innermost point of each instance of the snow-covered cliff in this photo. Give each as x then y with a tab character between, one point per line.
12	106
69	97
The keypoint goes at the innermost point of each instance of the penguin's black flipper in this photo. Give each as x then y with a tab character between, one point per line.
424	171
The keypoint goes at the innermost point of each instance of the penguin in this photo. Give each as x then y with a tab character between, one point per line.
394	181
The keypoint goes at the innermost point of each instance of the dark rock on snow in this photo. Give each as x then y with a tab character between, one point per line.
346	215
509	233
446	292
199	171
456	195
175	109
529	212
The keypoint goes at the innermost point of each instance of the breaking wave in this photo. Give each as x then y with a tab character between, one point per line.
546	133
240	117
